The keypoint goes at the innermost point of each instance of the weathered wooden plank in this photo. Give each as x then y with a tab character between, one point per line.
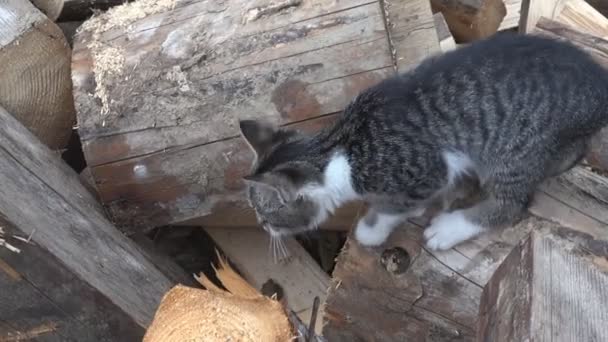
299	276
42	199
411	32
41	291
551	287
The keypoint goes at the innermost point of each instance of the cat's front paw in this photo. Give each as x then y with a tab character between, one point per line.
369	235
449	229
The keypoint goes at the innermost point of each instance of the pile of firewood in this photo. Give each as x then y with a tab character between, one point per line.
155	89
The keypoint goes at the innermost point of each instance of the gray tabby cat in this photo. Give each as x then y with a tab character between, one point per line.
508	112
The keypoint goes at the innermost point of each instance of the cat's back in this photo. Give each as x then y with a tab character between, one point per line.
532	81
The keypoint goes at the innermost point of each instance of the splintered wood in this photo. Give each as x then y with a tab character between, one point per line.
551	287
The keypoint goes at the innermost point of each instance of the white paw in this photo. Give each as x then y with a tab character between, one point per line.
371	235
449	229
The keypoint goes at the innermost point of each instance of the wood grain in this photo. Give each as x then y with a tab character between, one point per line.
35	67
300	277
411	32
551	287
48	202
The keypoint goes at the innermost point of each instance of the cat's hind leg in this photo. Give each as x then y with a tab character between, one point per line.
505	204
375	227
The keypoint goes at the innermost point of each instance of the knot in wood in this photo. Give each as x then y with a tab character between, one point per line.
395	260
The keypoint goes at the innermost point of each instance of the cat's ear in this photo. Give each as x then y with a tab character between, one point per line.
258	134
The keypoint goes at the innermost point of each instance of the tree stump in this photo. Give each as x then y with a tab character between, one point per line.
160	86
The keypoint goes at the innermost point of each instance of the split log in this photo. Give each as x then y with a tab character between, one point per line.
470	20
446	40
78	10
165	148
52	8
299	276
63	266
35	67
552	287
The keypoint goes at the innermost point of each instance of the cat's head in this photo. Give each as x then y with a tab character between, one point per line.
279	183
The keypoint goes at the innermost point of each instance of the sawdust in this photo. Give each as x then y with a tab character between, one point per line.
109	60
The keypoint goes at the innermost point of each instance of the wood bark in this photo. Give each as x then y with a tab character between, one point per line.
165	148
35	66
470	20
92	278
551	287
